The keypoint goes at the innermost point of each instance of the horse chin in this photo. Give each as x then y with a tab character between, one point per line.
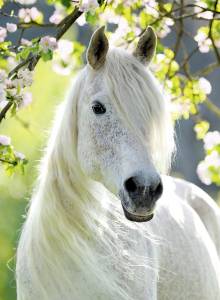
137	218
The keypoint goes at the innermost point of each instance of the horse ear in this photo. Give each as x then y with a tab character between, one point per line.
146	46
98	48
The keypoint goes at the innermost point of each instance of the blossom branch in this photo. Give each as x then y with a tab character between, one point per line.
32	60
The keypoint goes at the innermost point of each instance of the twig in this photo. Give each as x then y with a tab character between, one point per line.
212	107
14	163
20	37
4	14
186	60
207	70
30	24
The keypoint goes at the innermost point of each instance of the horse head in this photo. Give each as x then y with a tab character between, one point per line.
115	120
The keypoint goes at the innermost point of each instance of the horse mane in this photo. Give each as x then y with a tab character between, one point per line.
70	220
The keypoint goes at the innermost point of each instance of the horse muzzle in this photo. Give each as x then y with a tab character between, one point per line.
138	199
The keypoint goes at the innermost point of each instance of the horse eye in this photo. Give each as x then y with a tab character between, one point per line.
98	108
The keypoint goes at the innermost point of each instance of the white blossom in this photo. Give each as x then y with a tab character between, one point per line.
65	49
203	41
169	21
63	69
165	30
5	140
180	108
64	62
151	7
3	34
56	17
88	5
19	155
11	27
25	42
206	14
26	99
25	77
9	84
213	159
81	21
120	32
12	87
205	85
109	14
217	43
48	43
211	139
204	173
29	14
11	62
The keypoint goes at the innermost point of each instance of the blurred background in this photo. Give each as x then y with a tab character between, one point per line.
29	132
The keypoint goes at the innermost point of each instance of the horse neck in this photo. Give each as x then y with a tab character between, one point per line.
73	230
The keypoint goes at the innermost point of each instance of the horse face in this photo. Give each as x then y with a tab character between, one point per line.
108	150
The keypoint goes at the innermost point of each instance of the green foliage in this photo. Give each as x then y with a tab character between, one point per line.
11	160
25	51
201	128
4	49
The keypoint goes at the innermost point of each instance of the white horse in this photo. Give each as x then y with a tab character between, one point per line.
111	140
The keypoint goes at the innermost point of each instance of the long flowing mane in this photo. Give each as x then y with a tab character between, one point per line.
75	223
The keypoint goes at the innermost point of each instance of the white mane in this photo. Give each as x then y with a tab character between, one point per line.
67	224
138	98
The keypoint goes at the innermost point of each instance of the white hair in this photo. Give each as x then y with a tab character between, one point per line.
67	225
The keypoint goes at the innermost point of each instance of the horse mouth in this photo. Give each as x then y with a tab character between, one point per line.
137	218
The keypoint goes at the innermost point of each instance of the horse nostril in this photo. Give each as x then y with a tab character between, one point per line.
130	185
156	190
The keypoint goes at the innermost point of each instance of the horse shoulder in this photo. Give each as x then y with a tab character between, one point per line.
203	205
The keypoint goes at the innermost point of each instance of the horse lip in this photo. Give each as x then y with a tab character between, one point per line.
137	218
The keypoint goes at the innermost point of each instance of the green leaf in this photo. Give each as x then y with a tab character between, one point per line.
13	109
167	7
91	18
47	56
201	129
66	3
